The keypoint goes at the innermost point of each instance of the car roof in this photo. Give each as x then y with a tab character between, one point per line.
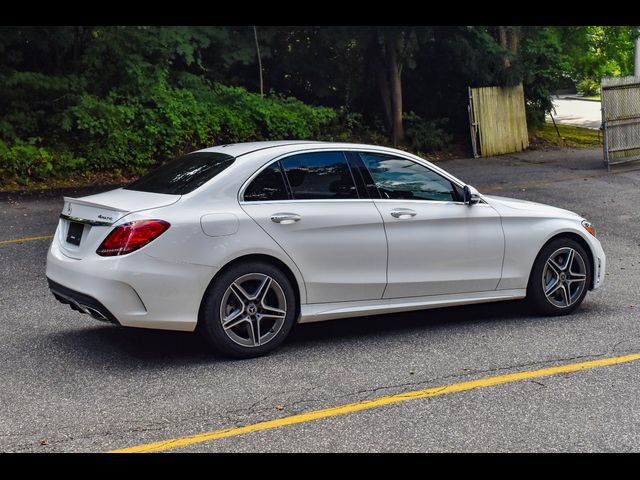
242	149
253	155
237	149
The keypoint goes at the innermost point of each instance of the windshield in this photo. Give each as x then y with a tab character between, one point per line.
183	174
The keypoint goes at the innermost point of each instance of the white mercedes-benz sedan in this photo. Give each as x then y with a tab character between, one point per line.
241	241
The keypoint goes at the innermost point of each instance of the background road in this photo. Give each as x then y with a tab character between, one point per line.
70	383
570	110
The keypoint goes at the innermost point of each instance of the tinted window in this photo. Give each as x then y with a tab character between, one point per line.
322	175
184	174
366	186
399	178
268	185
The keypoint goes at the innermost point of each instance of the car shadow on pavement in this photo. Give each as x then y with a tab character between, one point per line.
135	348
130	347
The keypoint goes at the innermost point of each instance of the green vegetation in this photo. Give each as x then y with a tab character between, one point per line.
593	52
589	88
93	101
118	134
570	136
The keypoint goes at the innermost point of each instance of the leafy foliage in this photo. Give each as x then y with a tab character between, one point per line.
140	97
26	160
427	136
542	64
107	98
588	87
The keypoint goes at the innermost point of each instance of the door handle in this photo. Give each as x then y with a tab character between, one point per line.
403	213
285	218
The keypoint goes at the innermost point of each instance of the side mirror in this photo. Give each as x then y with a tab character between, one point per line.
471	195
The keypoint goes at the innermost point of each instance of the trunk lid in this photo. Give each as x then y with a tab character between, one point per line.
85	222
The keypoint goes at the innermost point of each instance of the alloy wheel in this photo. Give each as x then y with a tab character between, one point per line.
564	277
253	310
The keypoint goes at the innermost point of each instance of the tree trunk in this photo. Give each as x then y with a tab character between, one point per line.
504	43
385	94
394	71
509	40
77	36
383	57
514	40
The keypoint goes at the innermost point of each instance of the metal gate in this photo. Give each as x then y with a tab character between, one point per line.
621	119
498	121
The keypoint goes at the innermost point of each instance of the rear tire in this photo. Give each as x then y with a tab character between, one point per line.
560	278
248	310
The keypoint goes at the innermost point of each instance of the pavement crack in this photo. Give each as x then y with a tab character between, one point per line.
367	393
253	413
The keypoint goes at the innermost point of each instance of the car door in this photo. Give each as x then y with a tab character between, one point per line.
310	205
437	244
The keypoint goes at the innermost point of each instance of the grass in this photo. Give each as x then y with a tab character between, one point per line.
572	137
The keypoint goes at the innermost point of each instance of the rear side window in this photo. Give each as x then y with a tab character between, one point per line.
268	185
183	174
319	175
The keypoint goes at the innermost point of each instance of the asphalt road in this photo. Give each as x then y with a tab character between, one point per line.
570	110
72	384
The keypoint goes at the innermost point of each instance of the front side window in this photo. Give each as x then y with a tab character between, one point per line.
184	174
319	175
399	178
268	185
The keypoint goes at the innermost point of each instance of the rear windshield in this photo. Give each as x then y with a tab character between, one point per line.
183	174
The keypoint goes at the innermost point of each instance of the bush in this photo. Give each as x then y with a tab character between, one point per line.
147	116
426	135
245	115
25	160
132	134
588	87
536	114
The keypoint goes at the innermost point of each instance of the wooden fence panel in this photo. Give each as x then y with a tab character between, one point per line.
500	118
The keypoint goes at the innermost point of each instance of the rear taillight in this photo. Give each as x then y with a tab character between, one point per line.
131	236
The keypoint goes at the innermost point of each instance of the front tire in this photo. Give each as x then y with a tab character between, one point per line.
248	310
560	277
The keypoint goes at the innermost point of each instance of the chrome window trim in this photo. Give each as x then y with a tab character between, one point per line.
314	200
408	157
444	202
354	200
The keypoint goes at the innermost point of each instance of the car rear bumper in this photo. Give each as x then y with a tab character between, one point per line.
135	290
81	303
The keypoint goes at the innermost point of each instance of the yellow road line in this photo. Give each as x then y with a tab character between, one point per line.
25	239
374	403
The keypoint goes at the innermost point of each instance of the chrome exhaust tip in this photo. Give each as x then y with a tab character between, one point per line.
97	314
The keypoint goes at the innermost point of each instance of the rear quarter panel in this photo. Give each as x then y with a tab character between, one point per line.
224	234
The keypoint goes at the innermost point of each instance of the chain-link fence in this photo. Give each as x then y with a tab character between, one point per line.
621	119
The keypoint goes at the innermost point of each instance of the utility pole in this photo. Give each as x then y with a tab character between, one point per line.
255	36
636	61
